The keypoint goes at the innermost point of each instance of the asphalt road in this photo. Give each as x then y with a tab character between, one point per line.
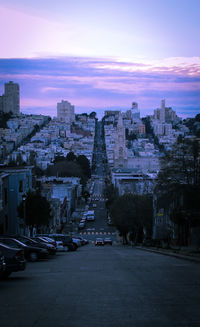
103	286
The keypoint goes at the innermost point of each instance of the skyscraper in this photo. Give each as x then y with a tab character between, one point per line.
135	111
162	111
120	151
10	99
65	111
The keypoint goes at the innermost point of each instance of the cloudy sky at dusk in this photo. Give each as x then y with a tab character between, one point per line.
102	55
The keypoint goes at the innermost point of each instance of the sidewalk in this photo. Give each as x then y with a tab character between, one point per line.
181	253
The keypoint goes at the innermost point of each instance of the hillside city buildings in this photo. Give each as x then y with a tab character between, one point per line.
132	156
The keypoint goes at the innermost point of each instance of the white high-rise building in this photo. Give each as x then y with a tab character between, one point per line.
120	150
162	111
135	111
65	112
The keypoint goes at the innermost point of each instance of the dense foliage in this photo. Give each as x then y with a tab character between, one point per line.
37	210
4	117
132	213
193	124
71	166
178	187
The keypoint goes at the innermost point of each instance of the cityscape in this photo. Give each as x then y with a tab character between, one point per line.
100	165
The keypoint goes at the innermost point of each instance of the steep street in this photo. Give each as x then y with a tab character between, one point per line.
103	286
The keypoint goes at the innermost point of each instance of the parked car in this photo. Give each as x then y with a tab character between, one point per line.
90	215
2	264
58	244
81	225
76	241
68	244
83	240
28	241
48	239
31	253
107	240
50	247
99	241
14	259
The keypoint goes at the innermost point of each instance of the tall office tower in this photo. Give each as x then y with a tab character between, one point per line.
162	111
10	98
9	101
135	111
65	112
120	150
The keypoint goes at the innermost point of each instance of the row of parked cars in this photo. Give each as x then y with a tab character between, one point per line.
15	250
87	216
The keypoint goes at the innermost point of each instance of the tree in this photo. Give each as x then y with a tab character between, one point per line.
59	158
37	171
193	125
110	193
4	117
71	156
86	195
32	158
65	169
93	114
132	213
178	187
130	137
181	165
37	210
85	165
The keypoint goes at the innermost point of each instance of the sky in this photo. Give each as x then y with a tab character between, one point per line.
102	55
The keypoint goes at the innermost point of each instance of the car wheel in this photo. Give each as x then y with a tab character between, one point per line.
75	246
5	274
66	248
33	256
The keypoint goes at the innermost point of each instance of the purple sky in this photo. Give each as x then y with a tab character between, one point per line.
102	55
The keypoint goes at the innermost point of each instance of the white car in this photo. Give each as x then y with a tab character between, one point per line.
59	246
81	225
76	241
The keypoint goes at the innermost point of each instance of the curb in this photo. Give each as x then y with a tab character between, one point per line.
175	255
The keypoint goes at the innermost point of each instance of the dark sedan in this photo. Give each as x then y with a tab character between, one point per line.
31	253
30	242
82	240
50	247
47	239
107	240
2	264
99	241
67	241
14	259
